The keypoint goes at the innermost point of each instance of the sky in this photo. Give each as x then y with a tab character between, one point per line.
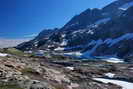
26	18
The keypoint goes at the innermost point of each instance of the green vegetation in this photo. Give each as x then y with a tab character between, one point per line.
13	51
59	57
29	71
58	86
9	86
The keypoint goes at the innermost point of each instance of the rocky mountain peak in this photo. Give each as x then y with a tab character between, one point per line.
94	32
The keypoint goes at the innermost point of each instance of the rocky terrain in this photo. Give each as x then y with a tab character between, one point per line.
92	51
60	72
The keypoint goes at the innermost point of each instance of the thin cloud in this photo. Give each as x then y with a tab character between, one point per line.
4	43
30	36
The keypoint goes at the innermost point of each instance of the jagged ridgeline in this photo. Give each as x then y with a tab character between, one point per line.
94	32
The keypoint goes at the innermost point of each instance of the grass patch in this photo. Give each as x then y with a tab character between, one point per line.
59	87
59	57
29	71
9	86
13	51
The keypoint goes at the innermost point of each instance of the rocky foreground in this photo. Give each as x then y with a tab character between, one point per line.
59	72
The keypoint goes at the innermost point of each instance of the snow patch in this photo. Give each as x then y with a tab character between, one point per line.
114	41
3	54
131	68
114	60
64	42
110	75
90	32
123	84
71	25
126	6
49	46
79	31
92	42
36	43
70	68
73	54
110	58
59	49
63	35
89	52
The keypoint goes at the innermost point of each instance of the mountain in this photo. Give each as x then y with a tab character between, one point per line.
94	32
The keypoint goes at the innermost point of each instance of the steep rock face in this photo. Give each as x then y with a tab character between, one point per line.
84	19
94	32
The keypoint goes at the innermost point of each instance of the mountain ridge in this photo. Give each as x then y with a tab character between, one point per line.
92	31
